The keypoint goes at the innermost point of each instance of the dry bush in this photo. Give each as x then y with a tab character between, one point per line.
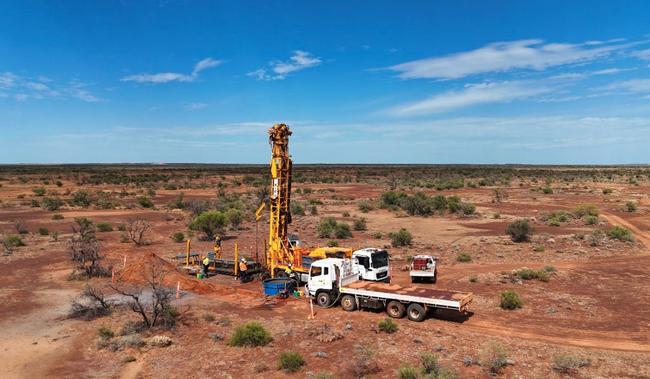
91	304
363	362
85	250
157	311
138	229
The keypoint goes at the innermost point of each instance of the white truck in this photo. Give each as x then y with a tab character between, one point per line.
423	268
334	280
372	264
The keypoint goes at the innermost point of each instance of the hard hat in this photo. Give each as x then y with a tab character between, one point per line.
289	265
243	260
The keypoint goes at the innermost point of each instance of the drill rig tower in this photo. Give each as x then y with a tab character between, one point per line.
280	251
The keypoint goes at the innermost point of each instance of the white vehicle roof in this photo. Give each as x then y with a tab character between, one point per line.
327	262
424	257
367	250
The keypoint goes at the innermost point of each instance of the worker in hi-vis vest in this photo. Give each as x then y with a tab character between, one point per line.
205	263
242	270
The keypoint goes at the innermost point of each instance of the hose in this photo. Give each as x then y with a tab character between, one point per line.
331	304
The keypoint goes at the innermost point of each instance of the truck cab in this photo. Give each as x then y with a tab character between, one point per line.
372	264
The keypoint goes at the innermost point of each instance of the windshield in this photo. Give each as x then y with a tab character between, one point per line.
380	259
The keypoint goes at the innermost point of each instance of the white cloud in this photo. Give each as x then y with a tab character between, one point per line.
279	70
163	77
166	77
195	106
23	88
474	94
634	85
205	64
642	54
502	56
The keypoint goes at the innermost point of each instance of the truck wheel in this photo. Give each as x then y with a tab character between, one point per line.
348	303
415	312
414	279
395	309
323	299
435	276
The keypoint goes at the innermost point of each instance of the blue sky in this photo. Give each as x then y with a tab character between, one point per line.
359	82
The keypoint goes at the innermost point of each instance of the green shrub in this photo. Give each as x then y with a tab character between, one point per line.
463	257
39	191
178	237
144	202
52	204
105	332
493	357
43	231
35	203
342	231
519	230
59	183
57	216
332	243
585	210
510	300
566	363
547	190
235	217
13	241
359	224
591	220
104	227
326	227
365	206
467	208
621	234
291	361
251	334
387	325
391	199
313	210
607	191
630	206
297	209
81	199
406	371
377	235
210	223
529	274
401	238
430	365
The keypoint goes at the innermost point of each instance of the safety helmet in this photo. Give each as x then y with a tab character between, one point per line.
243	260
289	265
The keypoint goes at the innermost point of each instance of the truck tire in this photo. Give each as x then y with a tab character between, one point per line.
395	309
435	276
349	303
414	279
415	312
323	299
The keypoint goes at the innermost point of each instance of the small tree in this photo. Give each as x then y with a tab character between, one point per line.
157	312
210	223
519	230
85	250
235	217
137	230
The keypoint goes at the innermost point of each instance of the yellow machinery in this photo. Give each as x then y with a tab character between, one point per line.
280	252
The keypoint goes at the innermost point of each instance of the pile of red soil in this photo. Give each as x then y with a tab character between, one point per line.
138	270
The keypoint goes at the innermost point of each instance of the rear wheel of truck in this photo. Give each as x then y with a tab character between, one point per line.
323	299
415	312
348	303
395	309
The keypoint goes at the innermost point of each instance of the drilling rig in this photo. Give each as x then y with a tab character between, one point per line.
280	252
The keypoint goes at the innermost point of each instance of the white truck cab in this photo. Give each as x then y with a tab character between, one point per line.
372	264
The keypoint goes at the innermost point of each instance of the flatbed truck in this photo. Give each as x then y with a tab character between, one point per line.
335	280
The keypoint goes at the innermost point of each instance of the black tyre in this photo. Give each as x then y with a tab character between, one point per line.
415	312
414	279
348	303
435	276
323	299
395	309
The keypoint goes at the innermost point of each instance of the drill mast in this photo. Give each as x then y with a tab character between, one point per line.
280	251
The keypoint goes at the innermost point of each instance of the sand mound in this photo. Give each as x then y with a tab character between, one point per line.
141	268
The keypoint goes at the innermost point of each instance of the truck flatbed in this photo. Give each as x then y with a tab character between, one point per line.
436	298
